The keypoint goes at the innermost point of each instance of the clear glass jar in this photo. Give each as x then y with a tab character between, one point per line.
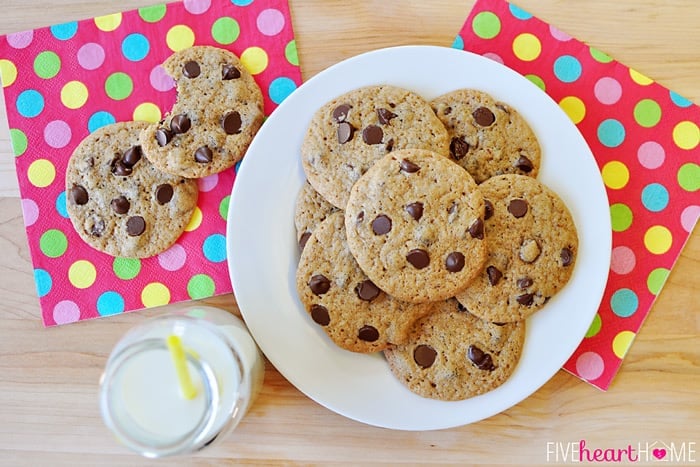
140	396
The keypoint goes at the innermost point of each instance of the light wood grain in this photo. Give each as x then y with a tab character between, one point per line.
49	377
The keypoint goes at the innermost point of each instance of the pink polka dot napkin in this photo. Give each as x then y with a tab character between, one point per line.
63	82
646	142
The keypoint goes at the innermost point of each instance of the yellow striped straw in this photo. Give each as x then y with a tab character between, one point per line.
177	352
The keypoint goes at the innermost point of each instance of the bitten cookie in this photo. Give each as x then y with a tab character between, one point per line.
532	249
487	137
119	202
453	355
219	109
310	210
339	297
348	134
415	225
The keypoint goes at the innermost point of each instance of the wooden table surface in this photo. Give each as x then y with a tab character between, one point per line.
49	377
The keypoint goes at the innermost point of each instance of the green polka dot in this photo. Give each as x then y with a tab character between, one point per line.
621	217
126	268
225	30
537	81
53	243
119	86
200	286
600	56
656	280
47	64
595	326
486	25
223	207
290	53
19	141
689	177
647	113
152	14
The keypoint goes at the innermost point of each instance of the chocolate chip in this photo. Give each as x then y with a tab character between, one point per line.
481	359
385	116
345	132
408	166
135	226
191	69
418	258
164	193
458	148
381	225
180	124
524	282
476	229
415	210
525	299
454	262
567	257
319	314
529	250
494	274
163	136
229	71
120	205
372	134
203	155
367	291
78	195
319	284
368	333
120	169
484	116
488	209
132	156
524	164
389	145
360	217
518	207
424	356
303	239
340	113
231	123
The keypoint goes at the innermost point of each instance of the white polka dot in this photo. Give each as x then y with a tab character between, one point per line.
30	211
66	312
590	365
173	258
208	183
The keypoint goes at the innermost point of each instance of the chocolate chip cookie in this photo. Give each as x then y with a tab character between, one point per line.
119	202
348	134
415	224
453	355
487	137
310	210
532	249
355	313
219	109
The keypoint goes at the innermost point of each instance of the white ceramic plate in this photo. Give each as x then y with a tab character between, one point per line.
263	252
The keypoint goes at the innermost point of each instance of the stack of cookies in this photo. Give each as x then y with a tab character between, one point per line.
425	234
131	186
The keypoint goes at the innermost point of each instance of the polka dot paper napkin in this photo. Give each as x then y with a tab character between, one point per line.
63	82
645	139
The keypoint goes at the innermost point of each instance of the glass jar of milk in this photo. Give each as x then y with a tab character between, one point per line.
141	392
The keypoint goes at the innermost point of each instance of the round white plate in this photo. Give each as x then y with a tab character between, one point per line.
263	252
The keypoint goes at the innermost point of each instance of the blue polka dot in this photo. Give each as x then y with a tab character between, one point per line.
241	2
458	43
135	47
611	133
280	88
30	103
61	205
64	31
237	167
214	248
519	12
567	69
624	303
43	282
110	303
655	197
679	100
100	119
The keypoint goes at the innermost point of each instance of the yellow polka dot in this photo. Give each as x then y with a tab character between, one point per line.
686	135
621	343
574	108
615	175
527	47
195	220
155	294
658	239
639	78
74	94
82	274
8	72
41	173
147	112
108	22
254	59
179	37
